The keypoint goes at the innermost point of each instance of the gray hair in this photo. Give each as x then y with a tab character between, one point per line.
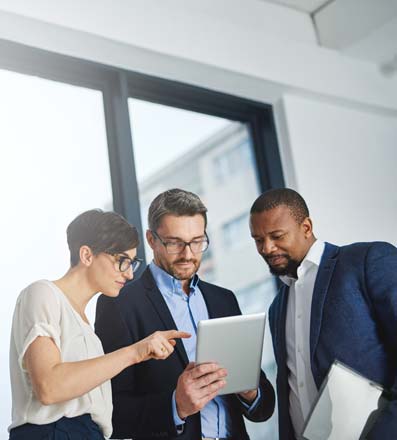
176	202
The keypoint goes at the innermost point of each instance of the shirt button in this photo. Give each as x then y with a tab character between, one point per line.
299	349
301	384
299	316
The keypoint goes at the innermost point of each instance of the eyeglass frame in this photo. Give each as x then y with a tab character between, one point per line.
186	243
133	261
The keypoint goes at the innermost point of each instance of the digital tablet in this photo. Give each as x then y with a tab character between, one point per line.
347	406
235	343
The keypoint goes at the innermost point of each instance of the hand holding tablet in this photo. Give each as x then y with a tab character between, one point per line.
196	386
235	343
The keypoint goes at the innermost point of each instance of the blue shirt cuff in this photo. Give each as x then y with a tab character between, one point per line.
254	404
178	421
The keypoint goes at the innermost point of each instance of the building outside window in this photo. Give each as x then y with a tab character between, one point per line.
235	231
235	160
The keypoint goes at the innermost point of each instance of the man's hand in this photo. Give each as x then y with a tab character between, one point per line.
196	386
249	396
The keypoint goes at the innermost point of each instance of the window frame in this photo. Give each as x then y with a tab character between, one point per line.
117	85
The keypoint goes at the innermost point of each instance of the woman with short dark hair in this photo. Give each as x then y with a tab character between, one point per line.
60	377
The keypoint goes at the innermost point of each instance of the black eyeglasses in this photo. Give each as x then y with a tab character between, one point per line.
124	263
178	246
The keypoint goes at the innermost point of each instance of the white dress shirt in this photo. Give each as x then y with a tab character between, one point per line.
43	310
302	388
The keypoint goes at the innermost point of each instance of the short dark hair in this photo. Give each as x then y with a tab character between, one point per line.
102	232
176	202
282	196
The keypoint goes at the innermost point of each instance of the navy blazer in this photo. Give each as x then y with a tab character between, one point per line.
353	320
142	394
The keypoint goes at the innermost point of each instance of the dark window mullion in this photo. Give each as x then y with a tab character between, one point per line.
121	157
193	98
265	146
55	67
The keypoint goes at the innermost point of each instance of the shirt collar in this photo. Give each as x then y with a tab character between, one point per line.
315	253
168	284
313	257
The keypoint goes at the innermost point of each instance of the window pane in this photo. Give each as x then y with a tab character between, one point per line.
213	158
54	165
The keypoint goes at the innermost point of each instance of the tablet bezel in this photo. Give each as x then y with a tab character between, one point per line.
243	369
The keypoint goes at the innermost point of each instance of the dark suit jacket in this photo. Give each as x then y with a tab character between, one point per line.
353	319
142	394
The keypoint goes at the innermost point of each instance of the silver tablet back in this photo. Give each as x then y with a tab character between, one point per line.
235	343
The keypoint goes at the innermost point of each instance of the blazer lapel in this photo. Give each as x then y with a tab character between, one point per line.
215	308
320	290
159	304
280	326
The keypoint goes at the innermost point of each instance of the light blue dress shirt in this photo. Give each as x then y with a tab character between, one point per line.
187	311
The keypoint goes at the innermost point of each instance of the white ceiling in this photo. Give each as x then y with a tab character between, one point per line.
379	46
363	29
309	6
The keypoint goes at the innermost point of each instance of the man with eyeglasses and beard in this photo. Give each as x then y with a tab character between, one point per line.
175	399
334	303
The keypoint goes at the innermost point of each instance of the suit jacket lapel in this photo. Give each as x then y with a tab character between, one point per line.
214	307
159	304
320	290
280	325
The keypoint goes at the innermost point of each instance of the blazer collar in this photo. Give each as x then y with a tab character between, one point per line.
320	290
159	304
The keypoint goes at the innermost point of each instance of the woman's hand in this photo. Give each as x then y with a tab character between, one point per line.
158	345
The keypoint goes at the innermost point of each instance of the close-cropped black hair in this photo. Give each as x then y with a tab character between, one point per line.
102	232
282	196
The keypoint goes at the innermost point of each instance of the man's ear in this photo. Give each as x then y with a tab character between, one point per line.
86	255
150	238
307	226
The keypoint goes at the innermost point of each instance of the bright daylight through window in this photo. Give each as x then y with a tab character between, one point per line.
54	165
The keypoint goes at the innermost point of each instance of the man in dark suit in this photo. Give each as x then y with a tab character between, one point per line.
334	303
175	398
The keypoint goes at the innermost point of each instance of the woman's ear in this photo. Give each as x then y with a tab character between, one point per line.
86	255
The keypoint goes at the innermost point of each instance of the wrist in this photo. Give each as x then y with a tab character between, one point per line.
181	414
132	355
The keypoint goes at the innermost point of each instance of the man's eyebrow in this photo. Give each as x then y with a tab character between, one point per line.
170	237
268	233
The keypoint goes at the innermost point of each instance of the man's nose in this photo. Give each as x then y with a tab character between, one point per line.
187	252
268	247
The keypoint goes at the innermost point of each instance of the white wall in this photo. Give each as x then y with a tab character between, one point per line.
344	163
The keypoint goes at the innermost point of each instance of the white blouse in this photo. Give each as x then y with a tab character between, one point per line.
43	310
